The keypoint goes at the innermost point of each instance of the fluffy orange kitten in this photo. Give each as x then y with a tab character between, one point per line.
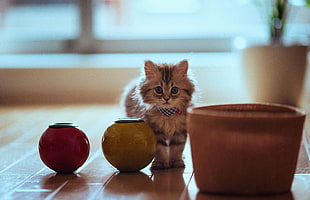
161	98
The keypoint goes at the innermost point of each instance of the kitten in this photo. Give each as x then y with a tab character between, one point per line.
161	99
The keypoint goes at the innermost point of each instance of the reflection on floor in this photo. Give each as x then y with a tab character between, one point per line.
23	175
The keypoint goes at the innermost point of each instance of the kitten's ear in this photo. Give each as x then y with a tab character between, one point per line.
149	68
182	67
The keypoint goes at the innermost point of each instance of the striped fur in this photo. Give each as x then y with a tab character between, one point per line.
164	86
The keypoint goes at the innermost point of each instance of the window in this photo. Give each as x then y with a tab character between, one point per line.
108	26
33	25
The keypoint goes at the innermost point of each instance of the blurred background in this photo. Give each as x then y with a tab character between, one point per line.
87	50
109	26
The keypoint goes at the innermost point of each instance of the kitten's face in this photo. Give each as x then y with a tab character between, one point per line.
166	85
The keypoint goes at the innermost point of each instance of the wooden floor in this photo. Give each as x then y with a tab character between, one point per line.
24	176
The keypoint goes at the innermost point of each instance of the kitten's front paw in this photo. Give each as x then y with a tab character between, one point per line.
157	165
177	164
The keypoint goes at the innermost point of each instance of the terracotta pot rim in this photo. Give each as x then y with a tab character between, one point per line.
248	110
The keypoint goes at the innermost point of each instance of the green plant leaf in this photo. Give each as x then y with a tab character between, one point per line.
308	3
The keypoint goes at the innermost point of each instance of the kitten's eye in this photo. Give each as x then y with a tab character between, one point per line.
158	90
174	90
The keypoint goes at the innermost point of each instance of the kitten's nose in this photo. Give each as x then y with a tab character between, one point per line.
166	98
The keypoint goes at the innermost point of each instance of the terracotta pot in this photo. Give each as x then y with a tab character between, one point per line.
245	149
275	74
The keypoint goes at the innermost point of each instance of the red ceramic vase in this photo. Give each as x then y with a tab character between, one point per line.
63	147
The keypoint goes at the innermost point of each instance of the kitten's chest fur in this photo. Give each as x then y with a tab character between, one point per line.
166	124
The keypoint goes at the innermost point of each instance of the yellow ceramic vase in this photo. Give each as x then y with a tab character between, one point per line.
129	144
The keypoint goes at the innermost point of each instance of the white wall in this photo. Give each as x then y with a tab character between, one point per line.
218	77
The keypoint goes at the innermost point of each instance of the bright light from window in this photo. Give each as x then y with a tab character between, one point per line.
32	21
169	6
